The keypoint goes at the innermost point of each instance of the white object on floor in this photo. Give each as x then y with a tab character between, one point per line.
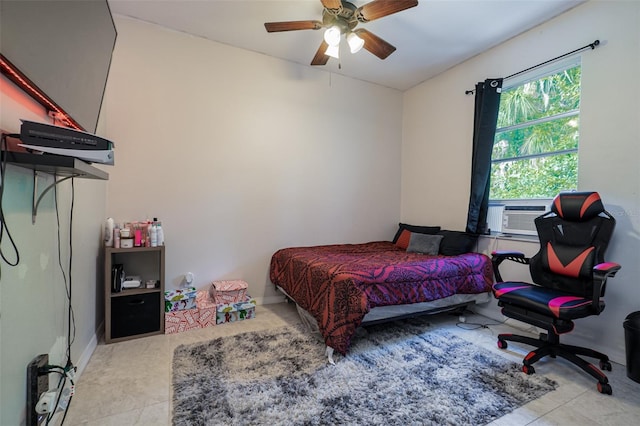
329	353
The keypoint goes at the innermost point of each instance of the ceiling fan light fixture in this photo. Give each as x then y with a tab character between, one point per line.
332	36
333	51
355	42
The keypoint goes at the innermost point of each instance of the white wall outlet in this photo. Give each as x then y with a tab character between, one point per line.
188	277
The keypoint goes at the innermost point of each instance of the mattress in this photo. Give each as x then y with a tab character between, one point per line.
339	285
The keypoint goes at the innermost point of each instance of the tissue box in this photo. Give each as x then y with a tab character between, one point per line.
231	312
229	291
180	300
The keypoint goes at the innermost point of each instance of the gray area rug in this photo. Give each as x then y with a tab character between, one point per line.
400	373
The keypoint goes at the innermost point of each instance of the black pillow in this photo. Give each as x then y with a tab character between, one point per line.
456	242
415	229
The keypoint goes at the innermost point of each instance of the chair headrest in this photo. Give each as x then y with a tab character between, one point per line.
577	206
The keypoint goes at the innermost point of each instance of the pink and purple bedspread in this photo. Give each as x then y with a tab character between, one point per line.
339	284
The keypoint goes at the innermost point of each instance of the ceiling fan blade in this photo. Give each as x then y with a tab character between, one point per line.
273	27
320	58
332	4
375	44
380	8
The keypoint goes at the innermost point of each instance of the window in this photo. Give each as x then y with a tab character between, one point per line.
535	151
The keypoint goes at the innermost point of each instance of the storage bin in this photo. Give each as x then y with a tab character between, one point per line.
179	300
228	291
231	312
206	309
135	314
632	345
204	315
179	321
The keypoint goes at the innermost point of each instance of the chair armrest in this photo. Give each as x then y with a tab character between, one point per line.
606	269
601	272
499	256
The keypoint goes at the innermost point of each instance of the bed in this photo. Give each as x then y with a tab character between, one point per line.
345	286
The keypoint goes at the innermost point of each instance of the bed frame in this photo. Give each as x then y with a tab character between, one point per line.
381	314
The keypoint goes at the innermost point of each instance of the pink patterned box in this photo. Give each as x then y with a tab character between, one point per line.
179	321
203	315
228	291
207	308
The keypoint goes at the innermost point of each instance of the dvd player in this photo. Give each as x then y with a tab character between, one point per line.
64	141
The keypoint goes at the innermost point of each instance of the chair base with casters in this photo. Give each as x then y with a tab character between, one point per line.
548	344
568	281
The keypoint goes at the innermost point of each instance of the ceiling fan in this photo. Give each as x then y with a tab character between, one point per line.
341	17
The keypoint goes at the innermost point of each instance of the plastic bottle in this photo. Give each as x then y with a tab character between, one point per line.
148	233
137	234
116	237
108	232
154	235
160	233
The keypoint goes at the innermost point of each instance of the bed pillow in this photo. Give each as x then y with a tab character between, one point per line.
456	242
424	243
415	229
403	239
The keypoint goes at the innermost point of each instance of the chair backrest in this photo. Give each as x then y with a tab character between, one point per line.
574	236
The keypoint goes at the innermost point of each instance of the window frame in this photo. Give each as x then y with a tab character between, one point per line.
520	80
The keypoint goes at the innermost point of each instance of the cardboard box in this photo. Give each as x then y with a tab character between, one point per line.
207	309
180	299
228	291
179	321
207	314
231	312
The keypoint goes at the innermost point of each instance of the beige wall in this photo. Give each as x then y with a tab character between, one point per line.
239	154
438	127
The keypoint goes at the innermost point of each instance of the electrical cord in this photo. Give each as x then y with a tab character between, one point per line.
474	325
4	228
67	283
71	320
71	315
65	373
63	381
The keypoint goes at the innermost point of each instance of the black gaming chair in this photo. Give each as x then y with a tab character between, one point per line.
570	277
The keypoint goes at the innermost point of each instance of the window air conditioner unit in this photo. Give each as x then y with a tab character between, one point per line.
520	219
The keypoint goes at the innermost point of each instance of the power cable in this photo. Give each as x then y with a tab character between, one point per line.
3	223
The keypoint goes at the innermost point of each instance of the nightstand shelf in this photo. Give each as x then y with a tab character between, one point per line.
136	312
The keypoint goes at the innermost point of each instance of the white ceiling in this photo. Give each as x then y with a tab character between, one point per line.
430	38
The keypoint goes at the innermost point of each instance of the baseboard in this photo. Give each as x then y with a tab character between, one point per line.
86	356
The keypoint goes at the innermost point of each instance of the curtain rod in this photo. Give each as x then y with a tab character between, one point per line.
588	46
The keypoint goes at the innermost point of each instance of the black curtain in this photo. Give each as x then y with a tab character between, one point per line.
484	129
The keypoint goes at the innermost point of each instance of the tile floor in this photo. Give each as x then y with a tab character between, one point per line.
129	383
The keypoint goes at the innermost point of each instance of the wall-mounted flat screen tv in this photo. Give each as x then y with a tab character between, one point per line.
64	48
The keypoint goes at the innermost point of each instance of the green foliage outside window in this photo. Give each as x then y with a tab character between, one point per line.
535	151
